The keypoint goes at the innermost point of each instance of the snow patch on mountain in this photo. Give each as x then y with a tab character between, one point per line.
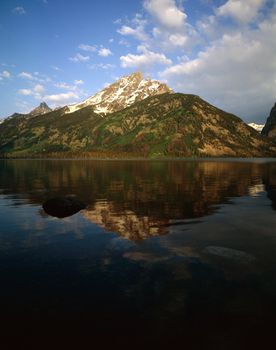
258	127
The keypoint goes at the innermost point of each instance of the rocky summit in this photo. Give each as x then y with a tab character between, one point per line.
43	108
270	126
123	93
134	117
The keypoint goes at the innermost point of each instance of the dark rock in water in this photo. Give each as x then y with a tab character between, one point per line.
62	207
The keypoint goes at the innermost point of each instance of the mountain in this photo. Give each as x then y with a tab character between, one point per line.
163	124
43	108
270	125
258	127
121	94
179	125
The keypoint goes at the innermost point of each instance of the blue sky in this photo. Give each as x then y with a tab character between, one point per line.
64	51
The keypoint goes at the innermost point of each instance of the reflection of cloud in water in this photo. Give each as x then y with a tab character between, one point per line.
184	251
229	253
119	244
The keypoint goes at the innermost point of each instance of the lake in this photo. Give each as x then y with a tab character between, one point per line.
165	253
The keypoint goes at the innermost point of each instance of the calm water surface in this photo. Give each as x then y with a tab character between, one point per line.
166	252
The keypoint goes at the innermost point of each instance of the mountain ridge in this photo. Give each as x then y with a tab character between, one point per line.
270	125
158	124
167	125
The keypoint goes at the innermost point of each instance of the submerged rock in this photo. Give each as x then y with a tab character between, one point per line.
229	253
62	207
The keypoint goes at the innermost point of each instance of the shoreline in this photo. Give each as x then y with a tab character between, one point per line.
140	159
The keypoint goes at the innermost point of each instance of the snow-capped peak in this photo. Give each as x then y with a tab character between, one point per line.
121	94
258	127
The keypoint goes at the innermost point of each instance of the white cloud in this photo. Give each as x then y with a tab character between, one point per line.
78	82
166	13
5	74
72	87
104	52
39	89
88	48
208	27
25	92
102	66
36	76
118	21
171	30
124	43
61	99
36	91
171	39
236	72
135	28
26	75
8	65
240	10
145	59
19	10
137	32
79	58
178	39
56	68
23	106
63	85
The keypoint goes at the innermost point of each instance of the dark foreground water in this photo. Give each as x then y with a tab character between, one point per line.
166	253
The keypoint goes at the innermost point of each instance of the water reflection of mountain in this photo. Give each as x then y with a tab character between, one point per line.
126	222
137	199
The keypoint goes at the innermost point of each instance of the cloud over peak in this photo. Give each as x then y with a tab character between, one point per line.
145	59
166	13
61	99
